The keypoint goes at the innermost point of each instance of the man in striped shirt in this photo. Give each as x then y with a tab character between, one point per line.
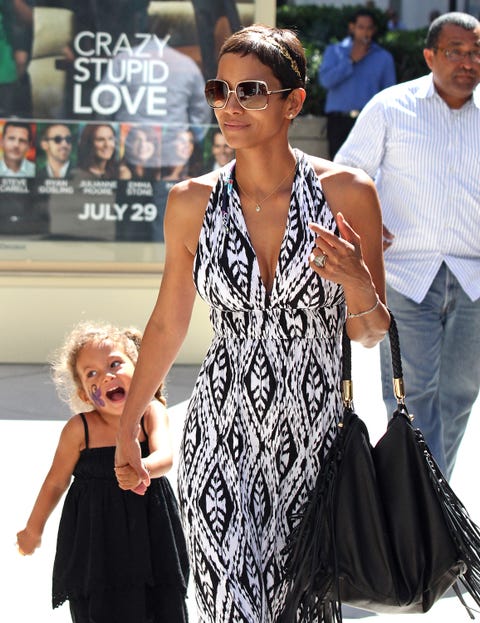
420	141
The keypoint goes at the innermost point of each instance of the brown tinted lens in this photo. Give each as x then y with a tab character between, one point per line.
216	93
252	94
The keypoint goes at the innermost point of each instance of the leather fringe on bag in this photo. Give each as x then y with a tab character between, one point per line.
382	529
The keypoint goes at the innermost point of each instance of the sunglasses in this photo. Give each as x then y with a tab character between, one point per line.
58	139
250	94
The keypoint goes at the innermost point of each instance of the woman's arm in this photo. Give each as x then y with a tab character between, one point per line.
168	323
160	459
24	12
54	485
356	259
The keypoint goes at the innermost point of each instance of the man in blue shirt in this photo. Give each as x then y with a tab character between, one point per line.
353	71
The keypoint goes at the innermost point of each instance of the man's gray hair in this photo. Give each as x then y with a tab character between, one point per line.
464	20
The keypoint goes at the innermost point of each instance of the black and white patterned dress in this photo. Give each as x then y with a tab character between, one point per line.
267	394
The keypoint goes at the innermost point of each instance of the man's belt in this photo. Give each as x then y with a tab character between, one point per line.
351	114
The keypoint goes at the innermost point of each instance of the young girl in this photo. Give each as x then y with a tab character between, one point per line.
120	557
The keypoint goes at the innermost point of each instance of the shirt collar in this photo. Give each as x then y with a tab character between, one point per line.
427	89
63	169
476	96
348	43
10	172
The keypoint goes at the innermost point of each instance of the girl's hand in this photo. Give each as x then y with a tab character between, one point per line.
27	542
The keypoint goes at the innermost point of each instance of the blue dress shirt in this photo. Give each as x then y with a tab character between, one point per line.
351	85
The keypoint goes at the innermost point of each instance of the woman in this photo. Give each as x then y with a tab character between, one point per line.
220	150
268	392
182	160
142	155
97	158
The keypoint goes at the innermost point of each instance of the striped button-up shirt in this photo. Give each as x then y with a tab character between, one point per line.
425	160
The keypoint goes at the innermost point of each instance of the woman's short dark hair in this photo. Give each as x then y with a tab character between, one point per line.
277	48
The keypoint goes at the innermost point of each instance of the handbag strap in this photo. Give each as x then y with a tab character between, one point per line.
397	372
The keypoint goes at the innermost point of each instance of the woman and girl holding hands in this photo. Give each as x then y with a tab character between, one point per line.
287	250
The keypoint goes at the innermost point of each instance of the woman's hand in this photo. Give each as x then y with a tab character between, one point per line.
338	259
128	479
387	238
341	260
128	460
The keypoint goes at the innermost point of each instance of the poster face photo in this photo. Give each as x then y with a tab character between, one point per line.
102	111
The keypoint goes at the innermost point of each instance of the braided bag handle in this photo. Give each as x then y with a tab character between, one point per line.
398	385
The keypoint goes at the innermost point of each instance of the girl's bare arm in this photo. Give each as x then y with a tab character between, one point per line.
54	485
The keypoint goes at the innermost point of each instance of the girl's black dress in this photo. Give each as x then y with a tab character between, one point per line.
121	557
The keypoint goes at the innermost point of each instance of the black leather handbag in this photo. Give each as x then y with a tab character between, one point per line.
382	529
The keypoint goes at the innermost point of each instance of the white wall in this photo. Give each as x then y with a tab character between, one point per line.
416	14
37	310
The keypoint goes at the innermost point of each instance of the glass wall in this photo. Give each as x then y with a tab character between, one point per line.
101	112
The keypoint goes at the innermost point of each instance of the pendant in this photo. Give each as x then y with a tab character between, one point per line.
257	208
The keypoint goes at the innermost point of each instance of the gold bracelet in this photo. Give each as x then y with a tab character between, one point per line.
364	313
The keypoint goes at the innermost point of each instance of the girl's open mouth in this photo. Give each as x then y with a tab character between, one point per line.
115	394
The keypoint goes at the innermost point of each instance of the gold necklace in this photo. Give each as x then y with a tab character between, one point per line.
257	203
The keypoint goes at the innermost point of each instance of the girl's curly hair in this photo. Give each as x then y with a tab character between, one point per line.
64	360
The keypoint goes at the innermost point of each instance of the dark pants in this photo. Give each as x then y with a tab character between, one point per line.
338	128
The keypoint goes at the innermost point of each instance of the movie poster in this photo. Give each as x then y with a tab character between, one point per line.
102	111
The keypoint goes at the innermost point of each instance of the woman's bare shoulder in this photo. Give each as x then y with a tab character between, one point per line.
186	206
338	173
195	188
344	187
